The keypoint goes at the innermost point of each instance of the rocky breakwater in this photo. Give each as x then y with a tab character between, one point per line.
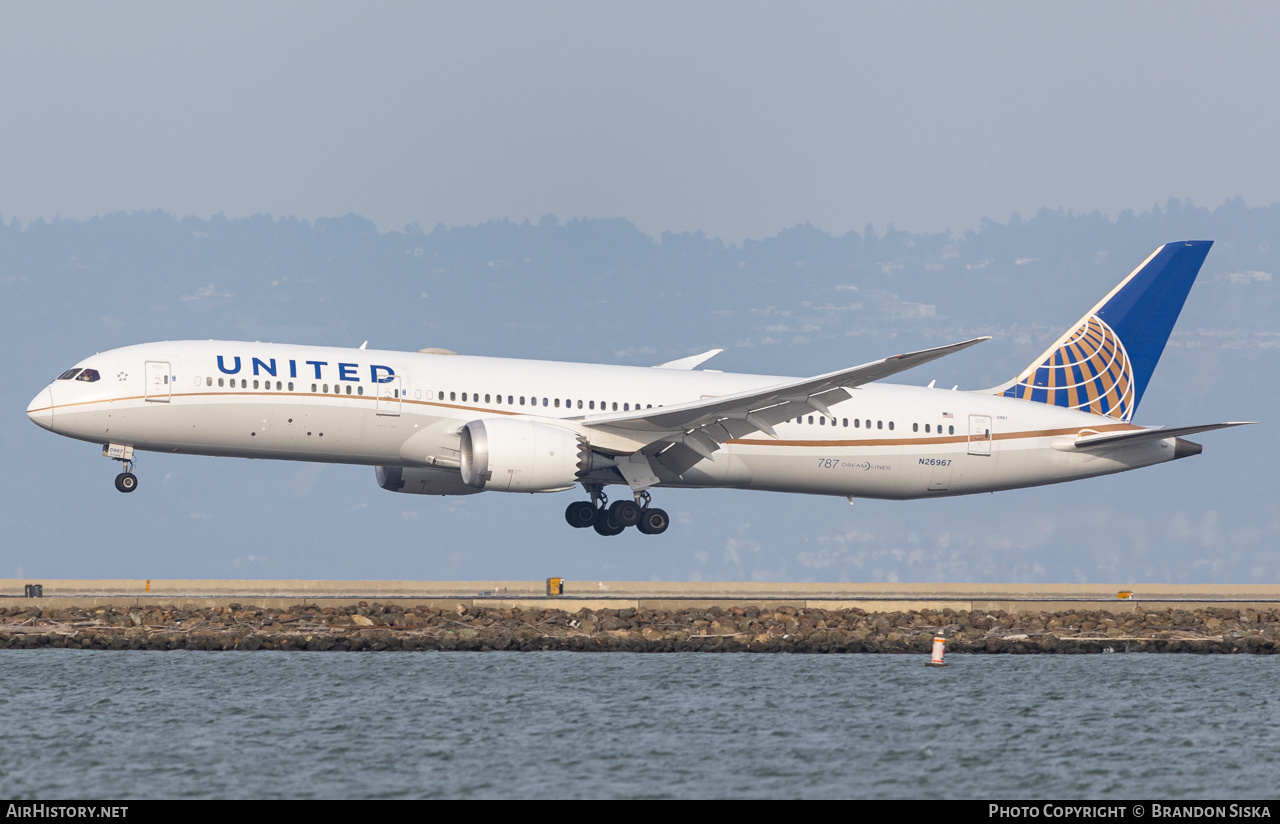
392	626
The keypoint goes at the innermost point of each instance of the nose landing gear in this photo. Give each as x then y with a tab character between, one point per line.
126	481
609	520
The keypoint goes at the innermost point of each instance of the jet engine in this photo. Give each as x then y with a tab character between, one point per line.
517	455
423	481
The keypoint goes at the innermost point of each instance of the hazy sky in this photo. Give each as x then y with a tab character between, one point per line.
736	118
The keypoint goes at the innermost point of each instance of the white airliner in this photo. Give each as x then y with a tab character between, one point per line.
433	424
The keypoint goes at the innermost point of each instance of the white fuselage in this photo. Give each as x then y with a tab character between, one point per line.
402	409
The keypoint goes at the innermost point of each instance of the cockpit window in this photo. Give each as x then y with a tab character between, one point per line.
68	375
89	375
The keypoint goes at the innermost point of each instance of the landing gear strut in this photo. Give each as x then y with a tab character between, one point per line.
126	481
611	519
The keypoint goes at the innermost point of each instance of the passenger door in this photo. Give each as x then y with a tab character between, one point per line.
979	434
159	386
389	396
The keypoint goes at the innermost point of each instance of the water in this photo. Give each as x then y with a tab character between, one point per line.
427	725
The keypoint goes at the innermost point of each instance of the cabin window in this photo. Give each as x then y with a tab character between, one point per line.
879	424
890	426
926	428
219	381
856	423
810	419
615	406
464	396
348	389
68	375
255	383
497	398
453	396
313	387
915	427
207	381
868	423
557	403
166	378
326	388
579	404
544	401
290	386
626	407
244	383
951	430
486	399
522	400
337	390
359	390
511	400
591	404
846	422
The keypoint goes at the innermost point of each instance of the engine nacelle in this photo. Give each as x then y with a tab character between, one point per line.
423	481
519	455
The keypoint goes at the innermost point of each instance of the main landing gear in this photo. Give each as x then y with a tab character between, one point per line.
611	519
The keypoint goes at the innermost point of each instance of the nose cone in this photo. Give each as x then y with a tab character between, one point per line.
40	410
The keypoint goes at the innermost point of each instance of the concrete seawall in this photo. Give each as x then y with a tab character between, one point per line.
870	597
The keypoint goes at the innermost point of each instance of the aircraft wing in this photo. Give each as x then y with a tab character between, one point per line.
690	362
1112	439
689	432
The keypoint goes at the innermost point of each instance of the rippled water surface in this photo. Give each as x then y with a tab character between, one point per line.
299	724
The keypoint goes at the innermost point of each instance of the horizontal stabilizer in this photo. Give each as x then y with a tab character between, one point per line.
1113	439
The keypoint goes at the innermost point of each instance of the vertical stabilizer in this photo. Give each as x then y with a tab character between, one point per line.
1104	363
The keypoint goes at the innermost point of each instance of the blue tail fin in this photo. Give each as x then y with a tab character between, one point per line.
1103	364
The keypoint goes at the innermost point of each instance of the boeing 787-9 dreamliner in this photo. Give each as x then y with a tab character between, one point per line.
433	424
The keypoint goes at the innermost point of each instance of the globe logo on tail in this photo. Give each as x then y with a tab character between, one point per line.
1089	370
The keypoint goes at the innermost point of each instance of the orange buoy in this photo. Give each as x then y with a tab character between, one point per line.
939	649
